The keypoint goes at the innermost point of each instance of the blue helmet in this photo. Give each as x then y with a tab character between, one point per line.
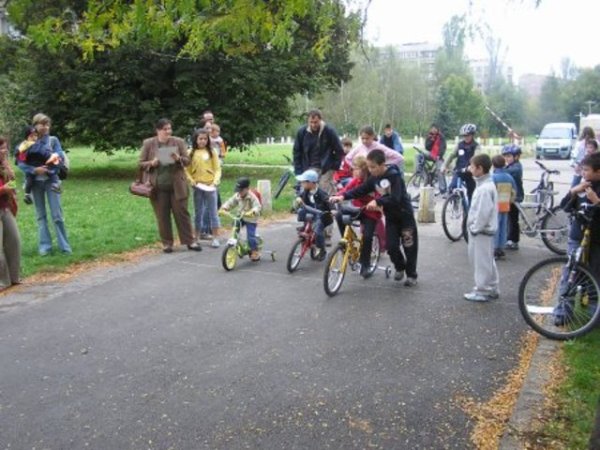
511	149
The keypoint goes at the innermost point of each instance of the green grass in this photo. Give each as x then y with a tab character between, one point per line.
102	217
579	395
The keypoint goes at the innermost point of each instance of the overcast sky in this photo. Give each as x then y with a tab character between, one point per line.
536	39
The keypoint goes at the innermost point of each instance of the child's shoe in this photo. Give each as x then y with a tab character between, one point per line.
28	199
215	243
476	297
499	254
254	256
410	281
399	275
321	255
510	245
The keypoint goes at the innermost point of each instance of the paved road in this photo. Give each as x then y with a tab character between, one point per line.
174	352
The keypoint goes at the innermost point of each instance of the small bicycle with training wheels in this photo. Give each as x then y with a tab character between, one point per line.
347	253
565	284
306	242
237	247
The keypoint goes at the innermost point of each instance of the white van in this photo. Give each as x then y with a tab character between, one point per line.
556	140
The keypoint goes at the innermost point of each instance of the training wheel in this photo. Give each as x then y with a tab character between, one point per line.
388	271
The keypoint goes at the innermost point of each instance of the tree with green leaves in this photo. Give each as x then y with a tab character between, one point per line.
105	71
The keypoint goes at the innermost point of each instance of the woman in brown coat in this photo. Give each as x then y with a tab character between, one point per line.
163	159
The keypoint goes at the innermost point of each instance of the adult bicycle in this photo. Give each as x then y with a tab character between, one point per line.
562	284
455	211
425	174
544	191
550	224
284	178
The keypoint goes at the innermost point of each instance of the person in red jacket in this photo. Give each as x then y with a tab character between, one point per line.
342	176
368	219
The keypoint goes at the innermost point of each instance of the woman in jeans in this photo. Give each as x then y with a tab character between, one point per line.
204	174
43	189
10	240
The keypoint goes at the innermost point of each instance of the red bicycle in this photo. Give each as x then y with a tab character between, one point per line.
306	243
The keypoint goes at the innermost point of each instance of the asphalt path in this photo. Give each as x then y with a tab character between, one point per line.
174	352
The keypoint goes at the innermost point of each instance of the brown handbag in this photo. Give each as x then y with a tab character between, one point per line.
141	186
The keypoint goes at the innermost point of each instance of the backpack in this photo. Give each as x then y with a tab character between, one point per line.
258	195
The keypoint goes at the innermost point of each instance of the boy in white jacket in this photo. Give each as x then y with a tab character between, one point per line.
482	223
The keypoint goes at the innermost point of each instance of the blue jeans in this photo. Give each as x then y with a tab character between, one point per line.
318	227
501	232
41	190
205	205
251	234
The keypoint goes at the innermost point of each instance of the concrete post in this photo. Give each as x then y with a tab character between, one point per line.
264	187
426	212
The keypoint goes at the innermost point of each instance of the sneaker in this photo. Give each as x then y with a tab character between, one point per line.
28	199
205	237
195	247
321	255
476	297
499	254
365	271
399	275
493	295
510	245
167	249
410	281
215	243
254	256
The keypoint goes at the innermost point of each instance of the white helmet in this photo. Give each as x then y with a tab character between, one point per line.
468	128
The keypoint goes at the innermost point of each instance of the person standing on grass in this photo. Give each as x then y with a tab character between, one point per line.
170	188
482	223
204	174
10	239
43	189
318	147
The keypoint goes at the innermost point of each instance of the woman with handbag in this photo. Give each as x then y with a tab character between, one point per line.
10	240
162	160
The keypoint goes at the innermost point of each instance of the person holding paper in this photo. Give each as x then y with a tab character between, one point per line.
204	174
163	158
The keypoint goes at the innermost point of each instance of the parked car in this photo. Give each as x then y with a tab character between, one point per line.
556	140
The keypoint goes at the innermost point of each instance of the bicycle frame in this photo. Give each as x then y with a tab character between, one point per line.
533	228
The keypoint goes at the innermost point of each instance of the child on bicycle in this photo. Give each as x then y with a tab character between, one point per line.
400	224
512	154
507	190
586	192
482	223
368	219
342	176
249	209
464	151
313	199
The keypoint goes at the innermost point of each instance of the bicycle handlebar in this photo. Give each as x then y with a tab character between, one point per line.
545	169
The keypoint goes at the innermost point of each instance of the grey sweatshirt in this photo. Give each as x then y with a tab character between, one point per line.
483	212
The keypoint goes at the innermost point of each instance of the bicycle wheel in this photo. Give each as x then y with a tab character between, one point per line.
335	270
555	230
281	184
453	217
413	185
229	257
295	255
541	290
375	254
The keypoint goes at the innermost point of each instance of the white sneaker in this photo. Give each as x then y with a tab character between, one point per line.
215	243
410	282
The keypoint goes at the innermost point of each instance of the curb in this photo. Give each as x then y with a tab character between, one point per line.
531	396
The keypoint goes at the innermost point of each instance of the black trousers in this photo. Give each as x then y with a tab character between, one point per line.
403	233
514	231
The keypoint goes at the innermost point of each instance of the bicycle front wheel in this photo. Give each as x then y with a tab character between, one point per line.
559	302
555	230
229	257
413	185
375	254
335	270
453	217
295	255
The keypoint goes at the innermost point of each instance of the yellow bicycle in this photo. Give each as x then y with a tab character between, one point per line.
347	253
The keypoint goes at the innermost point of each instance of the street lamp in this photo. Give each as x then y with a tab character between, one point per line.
590	103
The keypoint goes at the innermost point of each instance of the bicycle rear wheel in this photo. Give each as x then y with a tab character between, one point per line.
296	254
550	283
335	270
281	184
555	230
453	217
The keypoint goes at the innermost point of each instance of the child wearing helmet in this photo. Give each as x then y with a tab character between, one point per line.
464	151
512	154
315	200
249	208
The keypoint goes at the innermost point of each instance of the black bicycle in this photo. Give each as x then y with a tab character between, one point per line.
285	177
425	174
558	297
